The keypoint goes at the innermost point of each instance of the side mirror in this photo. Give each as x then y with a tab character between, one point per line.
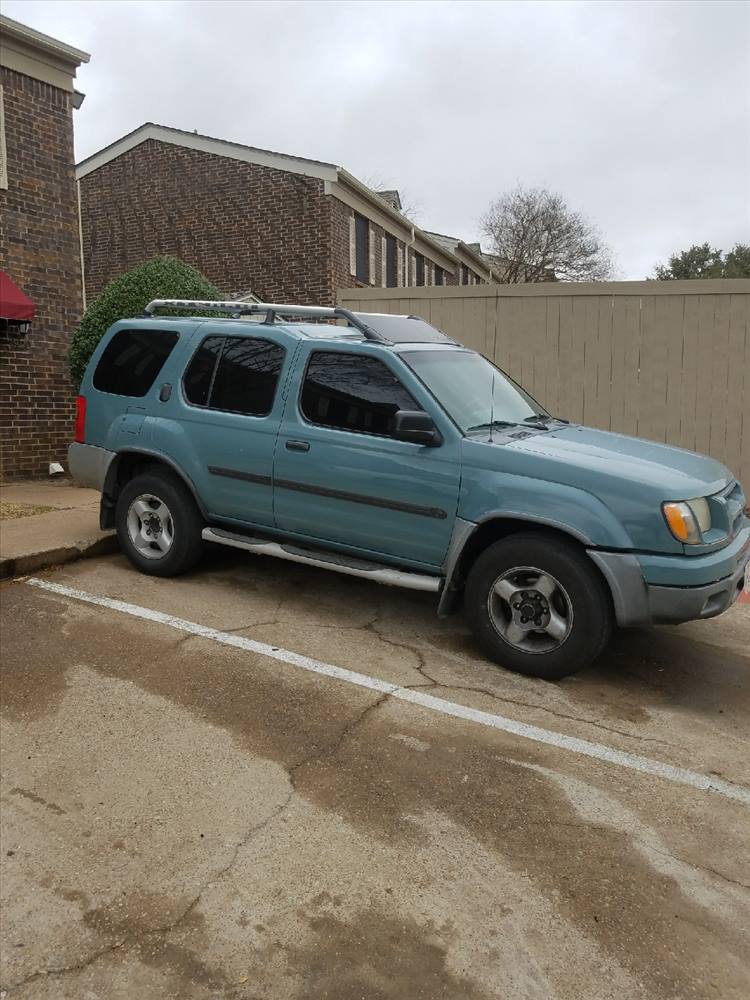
416	426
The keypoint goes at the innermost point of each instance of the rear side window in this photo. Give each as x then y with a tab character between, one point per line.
132	361
200	373
354	393
234	374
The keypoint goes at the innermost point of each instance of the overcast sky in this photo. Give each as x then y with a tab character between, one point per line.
638	113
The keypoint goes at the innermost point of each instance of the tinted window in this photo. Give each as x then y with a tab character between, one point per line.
132	360
247	376
200	373
353	393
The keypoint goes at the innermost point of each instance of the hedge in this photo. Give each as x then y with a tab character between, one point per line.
128	295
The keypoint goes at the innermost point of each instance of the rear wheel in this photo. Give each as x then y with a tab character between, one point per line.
537	605
158	524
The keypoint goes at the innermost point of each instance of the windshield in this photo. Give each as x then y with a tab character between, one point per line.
463	382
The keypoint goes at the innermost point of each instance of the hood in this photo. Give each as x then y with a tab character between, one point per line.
672	473
631	477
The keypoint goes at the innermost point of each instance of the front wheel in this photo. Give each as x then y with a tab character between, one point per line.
537	605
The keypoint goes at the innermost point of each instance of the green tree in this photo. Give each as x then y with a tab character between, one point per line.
705	261
128	295
737	262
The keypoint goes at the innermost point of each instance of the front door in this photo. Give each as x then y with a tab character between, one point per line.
339	474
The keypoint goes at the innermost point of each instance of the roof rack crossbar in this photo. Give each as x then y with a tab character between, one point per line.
272	311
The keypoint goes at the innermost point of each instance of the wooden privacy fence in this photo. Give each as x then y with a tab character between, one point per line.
665	360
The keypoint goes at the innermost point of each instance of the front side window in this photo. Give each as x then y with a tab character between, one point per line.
353	392
132	361
234	374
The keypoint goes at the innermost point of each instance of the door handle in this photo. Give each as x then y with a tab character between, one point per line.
297	445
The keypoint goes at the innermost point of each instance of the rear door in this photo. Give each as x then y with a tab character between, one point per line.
340	475
230	408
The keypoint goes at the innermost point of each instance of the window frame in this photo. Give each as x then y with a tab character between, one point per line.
132	329
206	407
346	430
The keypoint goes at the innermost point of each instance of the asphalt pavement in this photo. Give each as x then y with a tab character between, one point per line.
267	781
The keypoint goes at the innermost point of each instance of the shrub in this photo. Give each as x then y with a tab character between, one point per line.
128	295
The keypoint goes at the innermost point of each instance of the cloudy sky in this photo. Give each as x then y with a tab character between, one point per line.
638	113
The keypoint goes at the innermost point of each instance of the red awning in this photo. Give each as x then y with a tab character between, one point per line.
13	303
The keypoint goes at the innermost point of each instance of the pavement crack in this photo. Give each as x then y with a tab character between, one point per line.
698	867
551	711
63	970
131	940
332	748
421	666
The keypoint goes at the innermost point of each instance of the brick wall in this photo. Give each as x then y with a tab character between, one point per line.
39	249
342	276
246	227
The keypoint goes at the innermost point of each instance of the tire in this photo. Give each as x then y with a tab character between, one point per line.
509	616
158	524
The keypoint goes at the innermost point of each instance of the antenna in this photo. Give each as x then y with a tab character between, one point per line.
492	405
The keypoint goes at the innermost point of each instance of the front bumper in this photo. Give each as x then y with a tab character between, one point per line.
667	590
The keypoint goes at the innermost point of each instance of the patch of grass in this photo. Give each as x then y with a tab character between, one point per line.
11	510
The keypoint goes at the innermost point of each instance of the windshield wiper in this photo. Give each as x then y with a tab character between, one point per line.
493	423
543	419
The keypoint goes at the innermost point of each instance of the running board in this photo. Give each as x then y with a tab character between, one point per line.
326	560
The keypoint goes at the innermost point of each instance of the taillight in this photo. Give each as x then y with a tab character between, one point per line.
80	419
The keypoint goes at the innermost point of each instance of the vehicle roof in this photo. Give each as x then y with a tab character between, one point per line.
295	330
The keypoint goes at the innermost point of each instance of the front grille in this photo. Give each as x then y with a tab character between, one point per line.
735	507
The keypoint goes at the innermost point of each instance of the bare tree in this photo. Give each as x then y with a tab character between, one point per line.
410	208
535	236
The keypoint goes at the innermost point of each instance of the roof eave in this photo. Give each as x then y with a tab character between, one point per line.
44	43
382	206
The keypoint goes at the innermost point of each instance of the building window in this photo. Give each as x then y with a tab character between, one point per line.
439	275
353	393
420	269
362	248
464	274
391	262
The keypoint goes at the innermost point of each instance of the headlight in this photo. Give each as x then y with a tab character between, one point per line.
688	520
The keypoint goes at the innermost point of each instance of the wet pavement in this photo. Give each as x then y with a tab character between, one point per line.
183	818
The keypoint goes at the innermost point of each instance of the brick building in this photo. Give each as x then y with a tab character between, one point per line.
283	227
39	246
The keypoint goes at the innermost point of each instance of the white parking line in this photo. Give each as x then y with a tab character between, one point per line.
598	751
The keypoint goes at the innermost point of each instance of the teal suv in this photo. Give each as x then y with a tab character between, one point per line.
375	446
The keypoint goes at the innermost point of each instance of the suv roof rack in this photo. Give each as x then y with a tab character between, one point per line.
271	309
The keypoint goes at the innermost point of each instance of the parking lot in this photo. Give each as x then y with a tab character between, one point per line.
308	786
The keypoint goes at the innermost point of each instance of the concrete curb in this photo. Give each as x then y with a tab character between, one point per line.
33	561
